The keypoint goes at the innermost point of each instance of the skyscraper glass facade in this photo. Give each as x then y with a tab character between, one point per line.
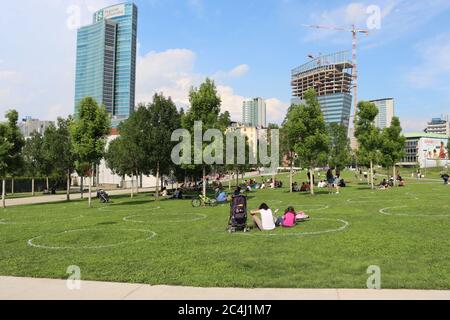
106	60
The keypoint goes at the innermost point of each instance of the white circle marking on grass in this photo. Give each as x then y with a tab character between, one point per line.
345	225
384	212
320	207
199	217
32	244
7	222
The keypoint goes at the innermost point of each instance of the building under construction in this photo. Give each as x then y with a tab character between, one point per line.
331	77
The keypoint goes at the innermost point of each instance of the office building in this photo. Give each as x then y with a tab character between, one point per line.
331	77
29	125
385	112
254	113
426	150
439	126
106	60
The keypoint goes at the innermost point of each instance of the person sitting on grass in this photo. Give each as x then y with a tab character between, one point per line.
222	197
266	220
322	184
384	185
178	194
445	177
305	187
289	218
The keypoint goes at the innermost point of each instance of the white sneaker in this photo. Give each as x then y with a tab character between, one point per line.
337	192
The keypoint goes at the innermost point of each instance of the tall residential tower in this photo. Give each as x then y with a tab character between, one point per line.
385	112
254	113
106	60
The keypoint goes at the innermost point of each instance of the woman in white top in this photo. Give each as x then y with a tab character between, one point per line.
266	221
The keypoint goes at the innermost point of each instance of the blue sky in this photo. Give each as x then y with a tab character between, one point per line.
248	47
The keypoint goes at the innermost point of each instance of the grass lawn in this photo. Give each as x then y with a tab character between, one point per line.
405	231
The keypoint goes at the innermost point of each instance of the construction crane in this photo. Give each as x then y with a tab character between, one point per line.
355	33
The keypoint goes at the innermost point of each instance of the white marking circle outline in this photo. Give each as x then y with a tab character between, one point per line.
383	212
345	225
200	216
31	244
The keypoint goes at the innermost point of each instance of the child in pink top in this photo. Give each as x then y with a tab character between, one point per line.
289	218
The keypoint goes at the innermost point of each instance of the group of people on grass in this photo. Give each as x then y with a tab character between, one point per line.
385	184
265	220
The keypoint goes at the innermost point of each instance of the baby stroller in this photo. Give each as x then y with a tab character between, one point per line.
238	214
103	196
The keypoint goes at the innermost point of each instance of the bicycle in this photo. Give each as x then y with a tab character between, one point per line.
203	201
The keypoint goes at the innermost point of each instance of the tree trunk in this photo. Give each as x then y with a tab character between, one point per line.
68	186
371	174
12	186
290	180
137	183
90	195
3	193
157	183
47	183
395	177
132	187
32	187
82	187
204	181
311	181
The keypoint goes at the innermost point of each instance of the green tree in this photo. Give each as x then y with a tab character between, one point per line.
89	132
340	151
120	160
34	157
59	149
392	145
368	136
15	137
5	151
205	106
134	132
306	135
164	118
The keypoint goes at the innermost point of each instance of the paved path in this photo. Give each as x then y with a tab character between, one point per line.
62	197
12	288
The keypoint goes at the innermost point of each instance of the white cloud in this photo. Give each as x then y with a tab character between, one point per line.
43	86
434	69
172	72
43	68
397	18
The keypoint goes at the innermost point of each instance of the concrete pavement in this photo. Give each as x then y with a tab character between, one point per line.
62	197
12	288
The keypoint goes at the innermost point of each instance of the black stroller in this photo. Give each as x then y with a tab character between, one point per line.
238	214
103	196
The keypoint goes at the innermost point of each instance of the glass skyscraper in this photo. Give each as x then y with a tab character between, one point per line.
106	60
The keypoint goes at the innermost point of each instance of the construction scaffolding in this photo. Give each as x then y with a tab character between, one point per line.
328	75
